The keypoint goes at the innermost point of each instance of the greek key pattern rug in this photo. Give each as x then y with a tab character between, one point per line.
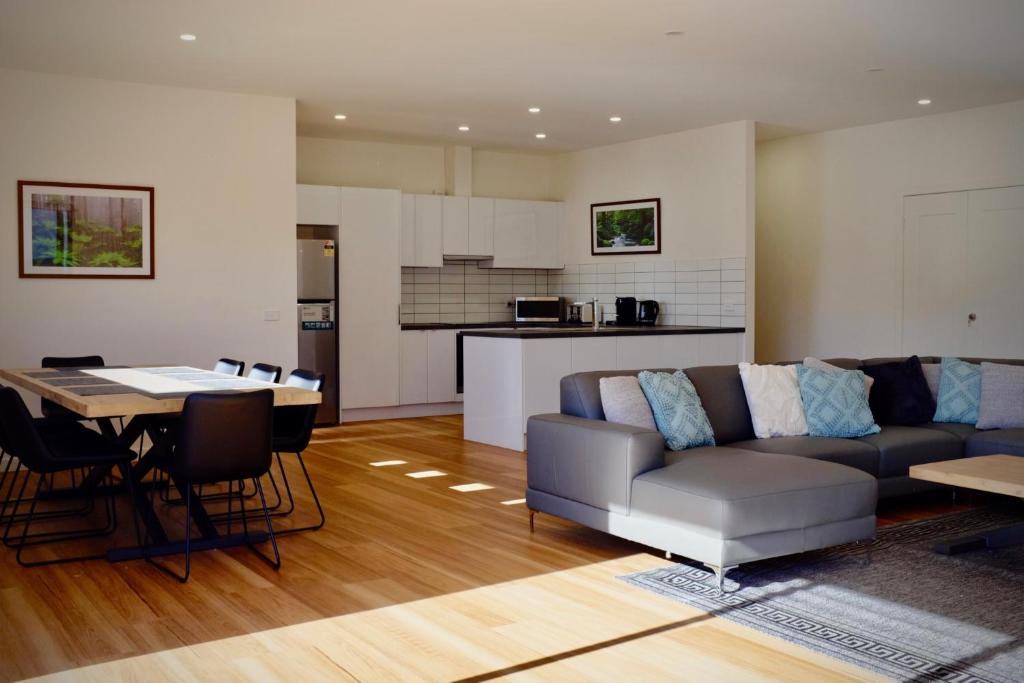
900	610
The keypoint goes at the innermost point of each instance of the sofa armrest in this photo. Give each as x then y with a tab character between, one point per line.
589	461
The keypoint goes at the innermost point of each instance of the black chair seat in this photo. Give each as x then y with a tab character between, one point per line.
76	446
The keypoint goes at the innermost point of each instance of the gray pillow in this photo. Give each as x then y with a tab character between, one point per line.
1002	396
624	402
932	375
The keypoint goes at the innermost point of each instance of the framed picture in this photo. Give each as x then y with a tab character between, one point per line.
81	230
632	227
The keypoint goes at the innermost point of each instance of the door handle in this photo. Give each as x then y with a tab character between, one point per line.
971	317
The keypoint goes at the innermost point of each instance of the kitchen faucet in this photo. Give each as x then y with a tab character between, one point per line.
597	319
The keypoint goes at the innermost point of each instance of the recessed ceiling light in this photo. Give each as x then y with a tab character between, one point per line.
464	129
188	37
615	119
673	34
534	110
925	102
340	117
540	136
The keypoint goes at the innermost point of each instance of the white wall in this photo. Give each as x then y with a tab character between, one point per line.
420	169
223	168
830	216
704	177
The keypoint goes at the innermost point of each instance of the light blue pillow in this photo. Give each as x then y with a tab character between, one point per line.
959	392
835	402
678	413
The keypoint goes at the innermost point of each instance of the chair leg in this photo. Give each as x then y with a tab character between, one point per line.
276	563
183	578
316	500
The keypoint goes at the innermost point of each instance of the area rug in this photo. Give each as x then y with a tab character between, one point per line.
908	614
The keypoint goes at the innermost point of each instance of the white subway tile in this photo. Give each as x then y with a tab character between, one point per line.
664	266
408	298
664	299
421	318
644	266
606	278
663	276
423	278
454	298
643	277
704	287
625	267
483	317
624	278
408	289
408	318
455	318
709	309
644	288
428	289
686	265
571	269
734	287
733	298
453	308
686	298
709	321
476	298
606	267
501	289
453	289
664	288
571	289
502	278
738	310
685	308
453	278
709	264
625	290
733	321
586	268
709	298
686	276
425	308
686	320
687	287
571	278
734	275
709	276
734	264
448	268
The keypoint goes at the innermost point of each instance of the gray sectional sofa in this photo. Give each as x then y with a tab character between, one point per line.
742	500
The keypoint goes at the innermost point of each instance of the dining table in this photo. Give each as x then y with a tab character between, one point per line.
149	398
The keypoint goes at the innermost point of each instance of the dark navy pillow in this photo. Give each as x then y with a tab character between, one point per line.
900	395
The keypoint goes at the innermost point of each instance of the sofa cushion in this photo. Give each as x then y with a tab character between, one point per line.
729	493
721	393
819	364
901	395
623	402
581	391
961	431
959	392
849	452
773	397
677	410
836	402
933	376
1002	397
1009	441
900	447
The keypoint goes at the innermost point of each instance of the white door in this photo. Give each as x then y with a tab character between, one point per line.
370	275
934	273
995	276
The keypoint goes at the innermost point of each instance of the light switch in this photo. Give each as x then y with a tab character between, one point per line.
271	315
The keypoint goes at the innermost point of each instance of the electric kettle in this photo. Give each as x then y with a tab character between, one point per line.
648	312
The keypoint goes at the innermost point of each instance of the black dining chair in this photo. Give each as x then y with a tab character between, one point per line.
222	438
53	410
293	428
229	366
47	452
264	372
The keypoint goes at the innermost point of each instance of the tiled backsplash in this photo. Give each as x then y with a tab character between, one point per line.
705	292
459	292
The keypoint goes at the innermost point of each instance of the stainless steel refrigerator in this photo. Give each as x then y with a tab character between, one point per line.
317	315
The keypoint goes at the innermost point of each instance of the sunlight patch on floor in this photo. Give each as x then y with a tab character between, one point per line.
425	474
469	488
387	463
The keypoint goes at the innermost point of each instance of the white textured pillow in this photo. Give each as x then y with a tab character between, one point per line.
818	364
773	396
624	402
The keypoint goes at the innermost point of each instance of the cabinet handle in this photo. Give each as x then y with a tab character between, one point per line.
971	317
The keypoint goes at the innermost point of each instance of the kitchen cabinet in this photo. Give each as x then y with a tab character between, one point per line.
422	225
412	364
455	226
427	366
527	234
370	275
481	226
408	237
317	205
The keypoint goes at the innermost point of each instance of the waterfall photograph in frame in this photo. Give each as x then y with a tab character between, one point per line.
629	227
85	230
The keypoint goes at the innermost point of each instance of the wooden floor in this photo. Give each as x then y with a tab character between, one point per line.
409	580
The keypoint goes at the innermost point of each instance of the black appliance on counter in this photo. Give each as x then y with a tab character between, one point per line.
625	310
648	314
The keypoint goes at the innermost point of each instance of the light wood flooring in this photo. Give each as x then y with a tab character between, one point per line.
409	580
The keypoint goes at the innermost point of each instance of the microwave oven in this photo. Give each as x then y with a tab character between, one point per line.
538	309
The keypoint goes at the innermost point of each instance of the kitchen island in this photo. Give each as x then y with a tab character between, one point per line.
511	374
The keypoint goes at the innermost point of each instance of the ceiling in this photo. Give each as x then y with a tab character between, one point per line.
414	70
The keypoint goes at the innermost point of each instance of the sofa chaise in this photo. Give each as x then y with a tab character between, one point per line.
742	500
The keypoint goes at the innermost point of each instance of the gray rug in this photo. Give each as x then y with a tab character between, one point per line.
910	614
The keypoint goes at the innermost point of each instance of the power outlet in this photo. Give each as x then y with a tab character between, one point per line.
271	316
728	309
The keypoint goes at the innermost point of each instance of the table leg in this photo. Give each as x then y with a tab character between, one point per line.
995	538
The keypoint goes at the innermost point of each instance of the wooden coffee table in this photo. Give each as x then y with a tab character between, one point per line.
1003	474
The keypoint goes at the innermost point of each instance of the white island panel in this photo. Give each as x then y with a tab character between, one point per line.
545	363
493	391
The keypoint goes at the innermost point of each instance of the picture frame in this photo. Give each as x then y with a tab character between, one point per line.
85	230
626	227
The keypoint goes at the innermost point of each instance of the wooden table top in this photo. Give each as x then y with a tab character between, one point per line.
993	473
114	392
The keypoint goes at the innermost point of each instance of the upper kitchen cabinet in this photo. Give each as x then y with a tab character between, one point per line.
422	230
317	205
481	226
527	234
455	226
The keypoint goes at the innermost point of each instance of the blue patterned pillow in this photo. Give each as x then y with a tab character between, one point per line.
836	402
677	410
959	392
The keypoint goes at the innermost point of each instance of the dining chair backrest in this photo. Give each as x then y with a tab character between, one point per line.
224	437
229	366
293	425
265	372
20	436
48	407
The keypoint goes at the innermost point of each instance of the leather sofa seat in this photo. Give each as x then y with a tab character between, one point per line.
1010	441
848	452
960	431
900	447
729	493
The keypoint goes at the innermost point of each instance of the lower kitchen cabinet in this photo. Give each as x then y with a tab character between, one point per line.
427	366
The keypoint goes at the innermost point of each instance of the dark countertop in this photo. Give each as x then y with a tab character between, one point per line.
456	326
587	331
